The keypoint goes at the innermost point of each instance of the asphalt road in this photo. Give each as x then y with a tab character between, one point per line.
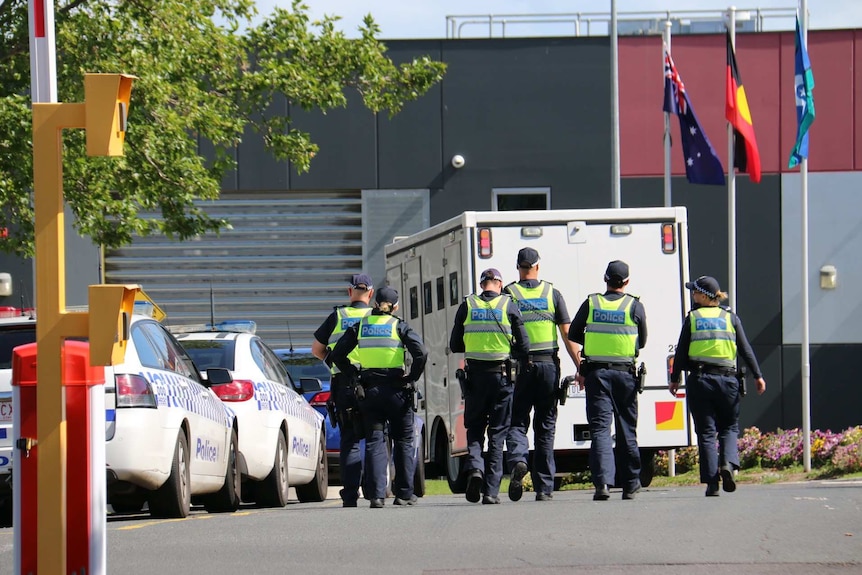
787	529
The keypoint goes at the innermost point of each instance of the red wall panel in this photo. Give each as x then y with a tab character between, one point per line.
857	98
766	67
831	146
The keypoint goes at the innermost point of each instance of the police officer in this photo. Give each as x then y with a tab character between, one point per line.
611	327
488	329
708	344
327	335
544	311
379	341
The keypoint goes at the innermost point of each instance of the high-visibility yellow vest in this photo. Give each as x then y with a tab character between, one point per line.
713	337
537	310
487	329
346	317
611	334
378	344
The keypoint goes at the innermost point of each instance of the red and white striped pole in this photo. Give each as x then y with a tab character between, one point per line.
43	51
43	89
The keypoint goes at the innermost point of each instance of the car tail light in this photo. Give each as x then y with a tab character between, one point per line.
319	399
486	249
668	239
134	391
237	390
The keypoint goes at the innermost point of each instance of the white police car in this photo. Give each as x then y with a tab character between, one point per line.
282	438
169	437
17	327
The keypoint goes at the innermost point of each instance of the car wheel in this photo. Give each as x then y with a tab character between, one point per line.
6	513
319	485
226	499
454	476
174	498
419	473
647	466
273	491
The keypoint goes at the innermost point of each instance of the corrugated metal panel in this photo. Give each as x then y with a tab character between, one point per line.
287	260
390	213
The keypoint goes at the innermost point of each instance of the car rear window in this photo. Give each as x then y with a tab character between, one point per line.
12	337
208	353
305	366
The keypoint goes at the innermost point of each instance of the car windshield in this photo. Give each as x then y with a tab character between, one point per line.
11	338
207	353
300	366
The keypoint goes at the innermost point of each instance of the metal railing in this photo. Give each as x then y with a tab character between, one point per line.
629	23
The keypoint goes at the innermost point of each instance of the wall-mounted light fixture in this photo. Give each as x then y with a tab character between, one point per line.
5	284
828	277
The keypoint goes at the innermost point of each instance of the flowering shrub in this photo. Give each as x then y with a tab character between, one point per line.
749	448
781	449
686	460
848	454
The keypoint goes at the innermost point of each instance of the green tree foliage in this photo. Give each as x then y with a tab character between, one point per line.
206	73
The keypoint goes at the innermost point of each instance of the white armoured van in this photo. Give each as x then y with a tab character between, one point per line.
435	269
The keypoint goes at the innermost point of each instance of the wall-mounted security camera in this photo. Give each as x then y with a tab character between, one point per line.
458	161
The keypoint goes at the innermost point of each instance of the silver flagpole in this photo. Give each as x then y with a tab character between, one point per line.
806	364
615	108
671	454
731	188
667	184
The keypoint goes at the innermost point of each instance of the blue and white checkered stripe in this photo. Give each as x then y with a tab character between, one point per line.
270	399
170	392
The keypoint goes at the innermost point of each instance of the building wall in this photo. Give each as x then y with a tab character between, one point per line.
766	65
834	314
535	112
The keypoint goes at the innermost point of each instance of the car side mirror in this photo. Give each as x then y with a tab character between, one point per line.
218	376
310	384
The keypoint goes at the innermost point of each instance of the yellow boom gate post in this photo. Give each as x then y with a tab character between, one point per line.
103	115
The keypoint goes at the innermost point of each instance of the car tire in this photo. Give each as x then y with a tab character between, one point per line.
226	499
647	466
273	491
316	489
453	466
174	498
6	513
419	473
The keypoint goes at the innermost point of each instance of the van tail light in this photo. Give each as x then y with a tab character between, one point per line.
319	399
486	248
237	390
134	391
668	239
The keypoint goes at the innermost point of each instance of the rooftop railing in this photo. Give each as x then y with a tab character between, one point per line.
628	23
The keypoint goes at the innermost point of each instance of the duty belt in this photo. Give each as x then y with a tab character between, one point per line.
627	367
539	357
715	370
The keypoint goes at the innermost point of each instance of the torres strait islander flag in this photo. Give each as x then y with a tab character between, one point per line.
746	156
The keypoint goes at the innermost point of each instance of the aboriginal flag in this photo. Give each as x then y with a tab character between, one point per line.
746	157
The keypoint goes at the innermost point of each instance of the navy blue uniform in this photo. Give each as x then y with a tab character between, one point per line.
612	396
387	400
713	397
488	398
535	390
349	455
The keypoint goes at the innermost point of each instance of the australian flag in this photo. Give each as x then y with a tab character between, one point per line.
702	165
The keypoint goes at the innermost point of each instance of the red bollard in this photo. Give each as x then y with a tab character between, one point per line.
83	519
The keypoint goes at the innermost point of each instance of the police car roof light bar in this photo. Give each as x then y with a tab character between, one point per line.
233	326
